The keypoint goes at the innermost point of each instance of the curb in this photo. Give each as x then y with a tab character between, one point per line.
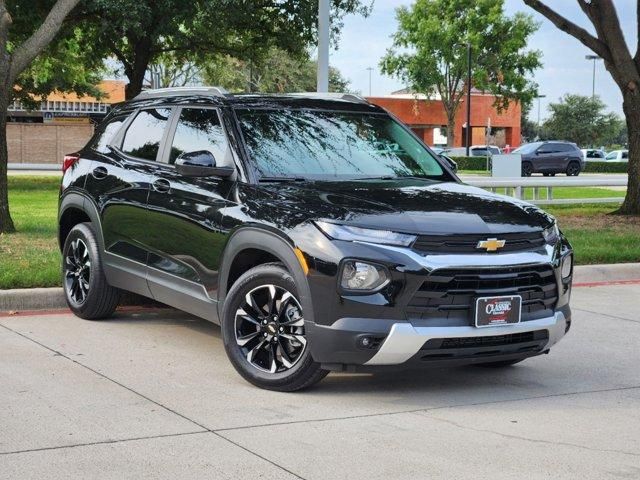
585	275
29	299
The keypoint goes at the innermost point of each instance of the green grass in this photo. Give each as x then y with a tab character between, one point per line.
596	235
30	258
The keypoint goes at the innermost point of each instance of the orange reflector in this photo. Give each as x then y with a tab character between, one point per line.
302	260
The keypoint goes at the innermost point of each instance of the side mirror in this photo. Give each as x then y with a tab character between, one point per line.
201	163
450	162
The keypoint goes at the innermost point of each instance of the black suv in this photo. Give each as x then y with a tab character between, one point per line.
318	231
551	157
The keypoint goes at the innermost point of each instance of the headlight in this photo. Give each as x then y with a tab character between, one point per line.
357	234
551	234
362	276
567	266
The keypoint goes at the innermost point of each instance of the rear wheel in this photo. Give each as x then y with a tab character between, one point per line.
86	289
573	169
264	333
527	169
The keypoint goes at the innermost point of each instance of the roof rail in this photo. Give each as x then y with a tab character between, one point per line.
349	97
181	91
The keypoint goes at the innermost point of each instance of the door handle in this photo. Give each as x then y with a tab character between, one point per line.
99	173
161	185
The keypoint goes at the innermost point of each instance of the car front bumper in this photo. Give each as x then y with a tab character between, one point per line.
363	333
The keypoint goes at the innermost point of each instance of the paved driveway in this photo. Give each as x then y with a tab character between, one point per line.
152	395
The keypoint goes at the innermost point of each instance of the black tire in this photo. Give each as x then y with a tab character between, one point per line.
88	294
503	364
302	371
573	169
527	169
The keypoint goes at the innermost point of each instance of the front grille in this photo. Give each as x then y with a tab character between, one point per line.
491	341
474	347
451	293
451	244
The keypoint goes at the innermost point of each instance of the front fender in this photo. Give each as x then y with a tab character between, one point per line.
273	243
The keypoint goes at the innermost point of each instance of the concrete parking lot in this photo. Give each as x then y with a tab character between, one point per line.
152	395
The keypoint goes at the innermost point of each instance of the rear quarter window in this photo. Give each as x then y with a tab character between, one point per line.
106	132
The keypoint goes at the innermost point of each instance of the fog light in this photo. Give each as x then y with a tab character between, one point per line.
567	266
362	276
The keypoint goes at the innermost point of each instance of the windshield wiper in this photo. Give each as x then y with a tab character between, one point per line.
282	179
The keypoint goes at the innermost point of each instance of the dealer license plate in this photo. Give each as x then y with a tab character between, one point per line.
497	311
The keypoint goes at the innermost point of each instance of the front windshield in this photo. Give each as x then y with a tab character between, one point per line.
528	148
315	144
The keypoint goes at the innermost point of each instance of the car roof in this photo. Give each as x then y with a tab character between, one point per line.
219	97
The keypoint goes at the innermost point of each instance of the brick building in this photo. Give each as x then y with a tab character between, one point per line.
63	124
427	117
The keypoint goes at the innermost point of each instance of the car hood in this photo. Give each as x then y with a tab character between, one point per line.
406	205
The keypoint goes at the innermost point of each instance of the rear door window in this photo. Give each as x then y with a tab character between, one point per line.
564	147
199	129
145	133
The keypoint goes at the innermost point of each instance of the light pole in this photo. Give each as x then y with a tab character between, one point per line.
323	45
468	130
370	72
593	84
539	97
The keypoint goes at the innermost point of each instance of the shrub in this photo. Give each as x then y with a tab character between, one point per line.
606	167
471	163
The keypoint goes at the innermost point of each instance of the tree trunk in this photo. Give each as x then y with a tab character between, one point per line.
451	130
6	223
136	71
631	106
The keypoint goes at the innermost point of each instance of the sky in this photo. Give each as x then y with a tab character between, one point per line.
565	70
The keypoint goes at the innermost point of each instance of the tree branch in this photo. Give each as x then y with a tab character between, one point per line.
38	41
572	29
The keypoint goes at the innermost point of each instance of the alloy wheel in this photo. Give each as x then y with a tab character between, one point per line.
269	328
573	170
77	271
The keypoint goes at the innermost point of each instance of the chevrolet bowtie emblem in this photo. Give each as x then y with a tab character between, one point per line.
491	244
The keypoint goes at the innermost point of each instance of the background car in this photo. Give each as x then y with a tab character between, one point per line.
593	154
617	156
474	151
551	157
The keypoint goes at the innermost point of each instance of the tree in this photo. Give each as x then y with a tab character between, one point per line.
528	129
609	42
277	72
27	29
436	34
137	32
581	120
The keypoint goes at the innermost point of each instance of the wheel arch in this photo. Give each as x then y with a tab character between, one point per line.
77	208
255	241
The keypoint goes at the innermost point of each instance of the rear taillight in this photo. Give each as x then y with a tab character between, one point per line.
69	161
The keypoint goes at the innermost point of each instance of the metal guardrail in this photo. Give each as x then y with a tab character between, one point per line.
513	186
43	167
517	185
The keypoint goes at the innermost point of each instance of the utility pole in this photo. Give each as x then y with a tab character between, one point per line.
593	83
370	71
323	45
539	97
468	129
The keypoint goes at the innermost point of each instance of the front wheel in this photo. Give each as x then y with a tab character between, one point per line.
86	289
527	169
263	331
